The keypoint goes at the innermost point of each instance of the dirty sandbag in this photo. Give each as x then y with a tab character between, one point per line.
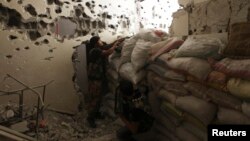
174	43
166	72
157	46
203	110
112	73
246	108
167	96
234	68
176	87
230	116
194	66
165	57
127	49
217	77
185	135
196	89
168	108
127	72
194	130
159	128
239	88
201	47
224	99
115	63
140	54
162	119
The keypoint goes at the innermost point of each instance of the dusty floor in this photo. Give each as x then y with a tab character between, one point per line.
75	128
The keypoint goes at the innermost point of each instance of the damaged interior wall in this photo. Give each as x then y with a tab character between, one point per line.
37	40
209	16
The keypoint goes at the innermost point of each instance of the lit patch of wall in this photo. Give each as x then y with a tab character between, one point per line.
156	13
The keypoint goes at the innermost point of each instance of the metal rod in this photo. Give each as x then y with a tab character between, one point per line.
36	92
39	86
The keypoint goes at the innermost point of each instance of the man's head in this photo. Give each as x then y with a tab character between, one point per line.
95	41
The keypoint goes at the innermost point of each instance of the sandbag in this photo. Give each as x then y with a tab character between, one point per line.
229	116
112	73
174	43
154	103
176	87
184	135
157	46
196	67
115	63
127	49
140	54
127	72
175	120
150	35
196	122
239	88
217	77
196	89
165	57
167	96
200	47
199	108
159	128
239	41
194	130
223	99
234	68
160	118
246	108
170	109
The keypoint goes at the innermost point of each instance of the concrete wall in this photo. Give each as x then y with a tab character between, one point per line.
37	39
210	16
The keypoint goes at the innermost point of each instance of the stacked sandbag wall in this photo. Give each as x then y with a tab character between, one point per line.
195	86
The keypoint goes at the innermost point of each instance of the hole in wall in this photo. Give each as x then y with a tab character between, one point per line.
50	2
8	0
58	10
33	35
26	48
30	9
20	2
45	41
9	56
58	2
12	37
37	43
17	49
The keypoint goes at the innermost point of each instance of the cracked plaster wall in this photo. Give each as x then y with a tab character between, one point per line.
209	16
38	36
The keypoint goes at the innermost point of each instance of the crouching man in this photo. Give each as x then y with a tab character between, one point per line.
132	109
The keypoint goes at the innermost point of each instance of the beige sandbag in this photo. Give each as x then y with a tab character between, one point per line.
196	89
112	73
229	116
224	99
159	128
127	49
184	135
176	87
201	47
168	96
115	63
239	88
194	130
196	122
140	54
127	72
196	67
171	109
199	108
160	118
157	46
166	72
246	108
